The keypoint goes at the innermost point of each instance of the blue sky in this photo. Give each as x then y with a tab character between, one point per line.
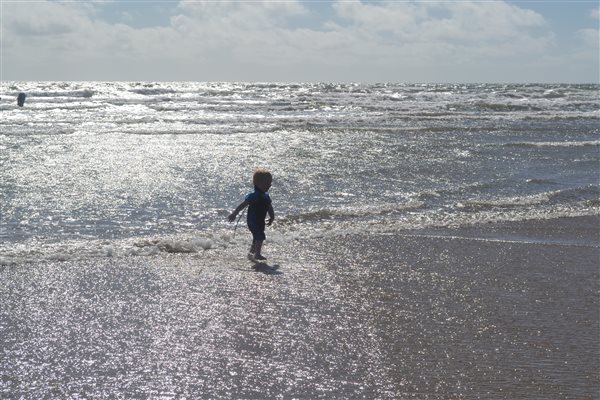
299	41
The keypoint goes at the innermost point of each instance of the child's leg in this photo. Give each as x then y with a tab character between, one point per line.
258	247
258	236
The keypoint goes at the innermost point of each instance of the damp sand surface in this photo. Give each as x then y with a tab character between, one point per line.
503	311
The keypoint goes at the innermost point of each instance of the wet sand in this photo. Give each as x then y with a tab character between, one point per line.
505	311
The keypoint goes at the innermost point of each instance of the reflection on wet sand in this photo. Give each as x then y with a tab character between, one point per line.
392	316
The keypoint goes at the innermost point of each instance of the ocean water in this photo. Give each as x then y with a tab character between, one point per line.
108	169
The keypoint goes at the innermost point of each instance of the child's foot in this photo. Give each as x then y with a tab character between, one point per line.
259	257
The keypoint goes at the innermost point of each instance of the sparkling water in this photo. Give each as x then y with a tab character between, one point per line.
95	169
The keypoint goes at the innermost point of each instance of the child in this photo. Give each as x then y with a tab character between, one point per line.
259	204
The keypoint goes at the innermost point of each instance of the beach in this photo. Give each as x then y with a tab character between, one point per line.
431	241
496	311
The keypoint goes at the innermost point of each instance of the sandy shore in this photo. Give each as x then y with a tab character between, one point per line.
507	311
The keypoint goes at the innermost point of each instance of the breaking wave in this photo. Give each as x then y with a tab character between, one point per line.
581	143
349	212
301	227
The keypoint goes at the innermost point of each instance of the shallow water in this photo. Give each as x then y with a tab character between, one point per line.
88	168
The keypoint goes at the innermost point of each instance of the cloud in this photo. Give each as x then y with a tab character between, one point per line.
588	46
465	22
44	18
256	14
460	40
388	17
237	40
235	31
435	20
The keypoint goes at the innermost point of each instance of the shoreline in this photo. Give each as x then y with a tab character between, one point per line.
568	231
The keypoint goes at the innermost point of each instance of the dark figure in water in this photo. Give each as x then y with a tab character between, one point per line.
260	205
21	99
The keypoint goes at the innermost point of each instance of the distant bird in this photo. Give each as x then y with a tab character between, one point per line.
21	99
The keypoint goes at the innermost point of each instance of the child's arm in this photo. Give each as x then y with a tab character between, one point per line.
235	212
271	215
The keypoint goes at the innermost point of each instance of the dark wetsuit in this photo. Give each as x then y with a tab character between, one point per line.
258	206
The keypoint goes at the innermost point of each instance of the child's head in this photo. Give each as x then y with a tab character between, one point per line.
262	179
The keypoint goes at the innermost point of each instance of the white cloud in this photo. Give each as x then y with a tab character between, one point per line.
595	13
442	21
237	40
458	38
241	15
387	17
44	18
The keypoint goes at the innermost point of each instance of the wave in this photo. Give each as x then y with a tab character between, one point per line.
554	94
581	143
504	202
79	93
76	251
563	196
494	107
193	245
153	91
538	181
590	192
349	212
203	243
59	128
198	129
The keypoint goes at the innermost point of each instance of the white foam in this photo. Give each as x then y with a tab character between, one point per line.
506	202
75	250
553	94
205	243
6	261
580	143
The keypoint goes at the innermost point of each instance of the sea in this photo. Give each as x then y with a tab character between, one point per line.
110	169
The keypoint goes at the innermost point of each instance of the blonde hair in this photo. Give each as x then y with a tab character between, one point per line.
261	175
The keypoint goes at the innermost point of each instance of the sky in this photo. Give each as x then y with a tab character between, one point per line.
465	41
